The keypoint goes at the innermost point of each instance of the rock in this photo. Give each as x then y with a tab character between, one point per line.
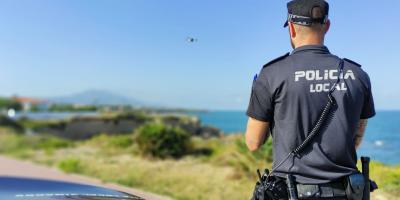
208	131
188	124
87	127
81	128
192	125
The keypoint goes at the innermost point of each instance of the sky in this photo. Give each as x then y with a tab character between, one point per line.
138	48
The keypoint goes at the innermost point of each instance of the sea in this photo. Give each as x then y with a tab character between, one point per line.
381	140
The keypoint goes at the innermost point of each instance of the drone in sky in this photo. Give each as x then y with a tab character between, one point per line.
191	39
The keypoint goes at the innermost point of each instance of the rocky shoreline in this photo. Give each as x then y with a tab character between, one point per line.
85	127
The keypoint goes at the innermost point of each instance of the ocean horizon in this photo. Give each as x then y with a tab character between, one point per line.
381	140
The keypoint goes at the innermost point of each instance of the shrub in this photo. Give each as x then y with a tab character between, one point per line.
162	141
70	165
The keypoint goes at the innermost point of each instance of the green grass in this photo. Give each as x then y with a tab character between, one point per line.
107	141
23	145
387	177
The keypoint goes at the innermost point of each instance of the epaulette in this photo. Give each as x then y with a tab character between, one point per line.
352	62
276	60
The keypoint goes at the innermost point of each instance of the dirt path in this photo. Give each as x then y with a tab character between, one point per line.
12	167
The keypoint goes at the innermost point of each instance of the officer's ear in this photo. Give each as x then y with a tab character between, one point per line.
292	30
327	26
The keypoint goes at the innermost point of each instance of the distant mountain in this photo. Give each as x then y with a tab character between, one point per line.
96	97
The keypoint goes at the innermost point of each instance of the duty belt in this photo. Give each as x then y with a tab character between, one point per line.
326	190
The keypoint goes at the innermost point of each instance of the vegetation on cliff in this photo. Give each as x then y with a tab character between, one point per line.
8	103
115	123
214	168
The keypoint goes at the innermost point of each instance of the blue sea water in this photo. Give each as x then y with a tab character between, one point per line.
381	141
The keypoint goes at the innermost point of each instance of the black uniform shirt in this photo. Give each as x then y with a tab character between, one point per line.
290	93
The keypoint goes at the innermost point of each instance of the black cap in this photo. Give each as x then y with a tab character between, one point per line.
302	12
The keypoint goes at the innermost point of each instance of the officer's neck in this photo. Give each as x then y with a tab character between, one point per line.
308	41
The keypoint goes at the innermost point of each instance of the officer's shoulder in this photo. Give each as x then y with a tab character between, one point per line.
352	62
276	60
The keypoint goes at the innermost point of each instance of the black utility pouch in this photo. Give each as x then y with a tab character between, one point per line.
355	186
270	188
259	192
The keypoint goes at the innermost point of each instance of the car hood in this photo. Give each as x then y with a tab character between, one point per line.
34	189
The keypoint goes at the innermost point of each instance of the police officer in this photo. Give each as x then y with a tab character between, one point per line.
289	95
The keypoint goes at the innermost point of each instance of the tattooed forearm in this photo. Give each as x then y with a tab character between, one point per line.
362	124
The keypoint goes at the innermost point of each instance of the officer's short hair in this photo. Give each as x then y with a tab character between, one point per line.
314	27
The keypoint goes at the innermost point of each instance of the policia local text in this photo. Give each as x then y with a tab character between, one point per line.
319	75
